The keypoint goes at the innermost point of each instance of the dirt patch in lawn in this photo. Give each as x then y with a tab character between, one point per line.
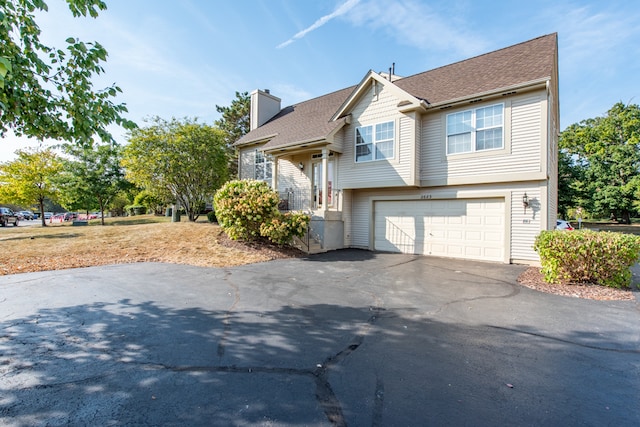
57	247
533	278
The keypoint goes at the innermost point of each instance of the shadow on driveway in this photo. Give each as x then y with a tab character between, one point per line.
127	363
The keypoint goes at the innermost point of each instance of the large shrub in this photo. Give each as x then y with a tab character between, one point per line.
248	210
242	206
283	227
587	256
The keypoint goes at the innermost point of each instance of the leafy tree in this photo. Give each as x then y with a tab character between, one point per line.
93	177
30	178
182	157
151	201
570	191
608	149
47	92
234	123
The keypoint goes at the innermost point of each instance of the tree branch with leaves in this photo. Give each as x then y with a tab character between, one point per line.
47	92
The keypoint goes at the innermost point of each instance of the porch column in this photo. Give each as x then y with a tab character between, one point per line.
274	174
325	180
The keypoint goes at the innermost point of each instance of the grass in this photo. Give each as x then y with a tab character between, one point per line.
144	238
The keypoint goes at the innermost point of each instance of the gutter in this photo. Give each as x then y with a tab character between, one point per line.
500	91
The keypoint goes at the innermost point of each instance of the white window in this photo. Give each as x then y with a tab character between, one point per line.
475	130
263	167
375	142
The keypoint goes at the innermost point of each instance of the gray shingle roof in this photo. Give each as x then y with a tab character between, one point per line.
306	121
525	62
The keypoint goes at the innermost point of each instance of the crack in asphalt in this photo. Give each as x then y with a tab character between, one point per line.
226	322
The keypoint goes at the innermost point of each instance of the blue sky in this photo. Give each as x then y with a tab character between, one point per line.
182	58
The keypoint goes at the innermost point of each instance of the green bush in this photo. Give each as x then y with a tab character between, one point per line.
243	205
586	256
135	210
211	216
248	210
283	227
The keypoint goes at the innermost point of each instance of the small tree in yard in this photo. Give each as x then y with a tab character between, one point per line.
30	178
248	210
183	158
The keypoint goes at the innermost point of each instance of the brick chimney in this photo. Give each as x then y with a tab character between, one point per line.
263	107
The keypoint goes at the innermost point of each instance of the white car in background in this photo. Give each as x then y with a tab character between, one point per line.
563	225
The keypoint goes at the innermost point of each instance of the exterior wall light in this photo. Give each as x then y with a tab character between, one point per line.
525	202
301	166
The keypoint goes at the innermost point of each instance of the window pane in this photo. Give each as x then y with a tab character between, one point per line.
489	116
364	152
459	123
384	150
459	143
363	135
489	139
384	131
268	171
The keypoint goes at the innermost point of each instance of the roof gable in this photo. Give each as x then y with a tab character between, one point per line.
373	78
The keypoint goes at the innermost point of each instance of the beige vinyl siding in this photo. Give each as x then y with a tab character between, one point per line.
338	142
246	159
525	226
523	141
553	163
433	164
347	212
406	152
527	133
360	220
291	178
381	173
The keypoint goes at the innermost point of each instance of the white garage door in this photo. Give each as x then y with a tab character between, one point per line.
457	228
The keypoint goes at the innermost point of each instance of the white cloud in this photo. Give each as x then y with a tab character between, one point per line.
340	10
593	39
417	25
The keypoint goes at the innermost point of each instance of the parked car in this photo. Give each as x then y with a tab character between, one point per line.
28	215
563	225
48	215
8	217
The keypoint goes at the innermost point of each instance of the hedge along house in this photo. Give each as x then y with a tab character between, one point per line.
459	161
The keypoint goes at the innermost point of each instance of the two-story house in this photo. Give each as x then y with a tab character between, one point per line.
459	161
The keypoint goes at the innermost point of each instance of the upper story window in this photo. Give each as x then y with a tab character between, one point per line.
375	142
263	167
475	130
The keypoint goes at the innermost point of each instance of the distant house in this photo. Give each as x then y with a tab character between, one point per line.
459	161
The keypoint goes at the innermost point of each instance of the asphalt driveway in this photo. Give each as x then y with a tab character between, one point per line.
345	338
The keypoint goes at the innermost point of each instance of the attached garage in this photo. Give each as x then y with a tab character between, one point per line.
456	228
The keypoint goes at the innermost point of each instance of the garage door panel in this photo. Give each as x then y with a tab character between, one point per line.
461	228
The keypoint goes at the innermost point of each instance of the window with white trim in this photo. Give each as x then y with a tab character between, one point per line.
375	142
263	167
474	130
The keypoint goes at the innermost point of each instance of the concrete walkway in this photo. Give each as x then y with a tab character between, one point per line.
345	338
